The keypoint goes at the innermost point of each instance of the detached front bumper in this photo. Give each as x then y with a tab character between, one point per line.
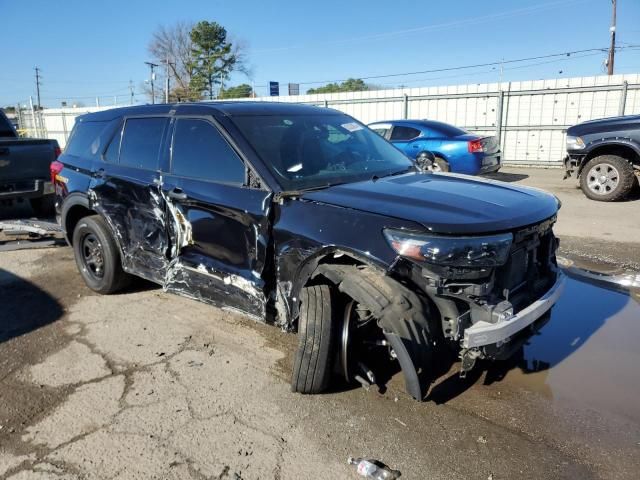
484	333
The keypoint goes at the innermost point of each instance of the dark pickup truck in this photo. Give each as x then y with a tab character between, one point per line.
24	169
605	156
305	218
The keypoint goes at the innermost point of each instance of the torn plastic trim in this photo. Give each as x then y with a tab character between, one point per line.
399	312
288	288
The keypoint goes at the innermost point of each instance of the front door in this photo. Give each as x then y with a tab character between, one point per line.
218	225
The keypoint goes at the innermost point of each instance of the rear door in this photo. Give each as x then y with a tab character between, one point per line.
125	190
219	226
401	136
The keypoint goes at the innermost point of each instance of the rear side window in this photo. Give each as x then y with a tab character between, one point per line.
445	130
85	139
404	133
113	150
141	142
200	151
6	129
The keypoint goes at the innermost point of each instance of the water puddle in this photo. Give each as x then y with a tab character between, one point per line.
589	352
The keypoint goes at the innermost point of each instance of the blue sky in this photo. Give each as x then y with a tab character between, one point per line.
87	48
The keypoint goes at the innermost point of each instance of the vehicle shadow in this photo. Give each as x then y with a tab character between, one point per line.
583	308
506	177
19	211
25	306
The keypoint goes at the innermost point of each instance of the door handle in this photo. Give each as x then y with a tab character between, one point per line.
177	194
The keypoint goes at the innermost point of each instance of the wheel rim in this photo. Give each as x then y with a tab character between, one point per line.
358	342
603	179
435	167
93	256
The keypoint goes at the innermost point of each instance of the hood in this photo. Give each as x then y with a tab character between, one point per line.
605	124
444	203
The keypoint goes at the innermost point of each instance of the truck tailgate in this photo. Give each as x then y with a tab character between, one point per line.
25	158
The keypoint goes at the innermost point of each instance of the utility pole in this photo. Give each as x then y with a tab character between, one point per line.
167	85
612	48
153	92
131	92
38	85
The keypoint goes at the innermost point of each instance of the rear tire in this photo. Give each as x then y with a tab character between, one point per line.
313	364
607	178
97	256
44	206
440	165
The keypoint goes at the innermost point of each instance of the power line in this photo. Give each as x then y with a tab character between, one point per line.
464	67
476	19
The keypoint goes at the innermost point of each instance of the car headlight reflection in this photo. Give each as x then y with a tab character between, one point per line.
480	251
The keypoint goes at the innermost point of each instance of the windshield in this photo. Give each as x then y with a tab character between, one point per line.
310	151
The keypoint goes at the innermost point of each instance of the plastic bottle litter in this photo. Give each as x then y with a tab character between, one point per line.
373	469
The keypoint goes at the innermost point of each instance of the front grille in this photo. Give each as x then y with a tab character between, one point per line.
529	272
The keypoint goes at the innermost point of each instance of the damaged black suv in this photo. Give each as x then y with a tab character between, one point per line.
303	217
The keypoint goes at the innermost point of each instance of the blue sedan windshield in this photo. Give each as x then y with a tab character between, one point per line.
310	151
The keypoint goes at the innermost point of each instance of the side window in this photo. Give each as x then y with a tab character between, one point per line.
381	129
113	150
85	139
401	133
200	151
141	142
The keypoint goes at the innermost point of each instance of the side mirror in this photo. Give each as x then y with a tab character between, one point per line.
425	160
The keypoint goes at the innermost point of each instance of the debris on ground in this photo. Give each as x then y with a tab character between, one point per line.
373	469
25	233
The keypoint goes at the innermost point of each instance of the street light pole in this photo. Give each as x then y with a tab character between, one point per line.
612	48
153	92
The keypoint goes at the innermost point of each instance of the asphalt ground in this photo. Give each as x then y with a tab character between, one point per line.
146	384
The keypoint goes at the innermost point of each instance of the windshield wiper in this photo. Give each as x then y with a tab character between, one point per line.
411	168
278	196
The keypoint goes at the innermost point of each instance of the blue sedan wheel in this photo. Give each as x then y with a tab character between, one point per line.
440	165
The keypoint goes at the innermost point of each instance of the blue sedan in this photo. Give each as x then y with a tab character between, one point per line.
455	149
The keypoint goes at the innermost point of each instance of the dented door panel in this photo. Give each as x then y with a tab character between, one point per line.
131	202
222	233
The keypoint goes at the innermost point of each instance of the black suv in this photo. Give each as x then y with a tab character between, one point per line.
303	217
605	156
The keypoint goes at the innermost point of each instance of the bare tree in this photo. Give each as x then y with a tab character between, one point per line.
173	43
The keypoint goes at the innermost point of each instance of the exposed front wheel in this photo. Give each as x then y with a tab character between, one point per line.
316	337
607	178
97	256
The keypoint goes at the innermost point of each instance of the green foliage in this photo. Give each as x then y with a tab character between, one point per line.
239	91
213	57
349	85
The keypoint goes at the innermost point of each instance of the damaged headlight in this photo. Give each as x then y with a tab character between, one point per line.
574	143
484	251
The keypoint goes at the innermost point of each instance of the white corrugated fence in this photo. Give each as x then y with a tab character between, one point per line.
529	117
